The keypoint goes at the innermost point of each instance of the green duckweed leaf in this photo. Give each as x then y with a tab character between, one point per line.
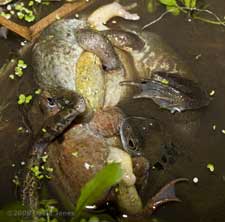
97	186
21	99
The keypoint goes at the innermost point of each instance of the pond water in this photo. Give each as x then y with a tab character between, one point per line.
191	142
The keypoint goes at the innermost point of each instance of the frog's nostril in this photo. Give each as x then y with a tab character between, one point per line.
131	144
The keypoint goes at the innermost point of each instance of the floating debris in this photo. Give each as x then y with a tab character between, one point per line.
3	32
11	76
44	130
88	166
214	127
212	93
223	131
75	154
22	163
197	57
195	180
57	17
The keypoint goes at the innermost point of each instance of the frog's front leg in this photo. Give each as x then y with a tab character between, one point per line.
95	42
102	44
171	91
70	105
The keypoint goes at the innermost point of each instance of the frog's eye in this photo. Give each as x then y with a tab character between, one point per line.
51	102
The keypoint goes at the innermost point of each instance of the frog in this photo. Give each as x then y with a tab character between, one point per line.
59	111
61	72
78	52
72	156
64	60
163	77
51	72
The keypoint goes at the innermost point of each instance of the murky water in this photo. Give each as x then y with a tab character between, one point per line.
191	142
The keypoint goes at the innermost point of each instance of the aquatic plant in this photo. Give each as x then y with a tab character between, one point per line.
93	190
192	8
47	211
23	10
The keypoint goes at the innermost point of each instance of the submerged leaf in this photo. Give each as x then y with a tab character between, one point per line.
151	6
97	186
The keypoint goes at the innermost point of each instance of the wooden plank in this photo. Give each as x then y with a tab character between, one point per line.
30	33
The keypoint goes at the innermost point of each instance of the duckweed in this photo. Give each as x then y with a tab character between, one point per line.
37	172
21	65
23	99
37	91
44	158
164	81
44	130
16	180
211	167
5	15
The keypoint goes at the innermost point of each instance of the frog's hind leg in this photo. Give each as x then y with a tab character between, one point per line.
165	195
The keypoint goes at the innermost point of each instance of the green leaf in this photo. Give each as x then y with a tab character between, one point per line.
110	175
173	9
168	2
190	3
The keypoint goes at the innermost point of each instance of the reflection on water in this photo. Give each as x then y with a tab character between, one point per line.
187	142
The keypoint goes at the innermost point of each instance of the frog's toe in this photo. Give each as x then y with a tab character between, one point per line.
147	87
165	195
130	83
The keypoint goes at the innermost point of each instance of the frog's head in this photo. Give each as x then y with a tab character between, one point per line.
50	103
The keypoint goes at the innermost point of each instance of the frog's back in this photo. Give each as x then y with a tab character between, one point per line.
55	55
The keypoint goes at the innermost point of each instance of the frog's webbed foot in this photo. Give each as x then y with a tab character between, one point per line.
165	195
98	44
99	17
171	91
70	106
